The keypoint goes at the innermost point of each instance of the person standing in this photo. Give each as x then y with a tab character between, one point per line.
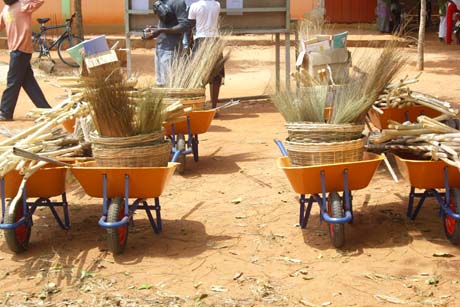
187	41
171	28
442	9
16	19
383	15
452	7
204	16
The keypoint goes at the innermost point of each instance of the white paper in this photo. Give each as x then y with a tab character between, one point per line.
318	47
300	58
234	7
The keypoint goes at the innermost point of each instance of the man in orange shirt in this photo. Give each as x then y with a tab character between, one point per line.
16	19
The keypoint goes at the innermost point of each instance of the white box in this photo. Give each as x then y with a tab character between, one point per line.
140	5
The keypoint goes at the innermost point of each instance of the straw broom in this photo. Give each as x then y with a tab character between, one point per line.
194	70
111	109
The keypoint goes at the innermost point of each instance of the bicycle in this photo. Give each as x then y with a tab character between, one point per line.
65	41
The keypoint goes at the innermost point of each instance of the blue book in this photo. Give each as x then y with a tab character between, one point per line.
339	40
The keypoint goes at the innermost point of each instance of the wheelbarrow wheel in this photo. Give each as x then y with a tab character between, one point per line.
17	239
181	158
117	237
451	225
335	210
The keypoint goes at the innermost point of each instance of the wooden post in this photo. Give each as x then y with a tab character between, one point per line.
421	36
78	19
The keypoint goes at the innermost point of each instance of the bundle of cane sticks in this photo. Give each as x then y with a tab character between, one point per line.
399	95
429	138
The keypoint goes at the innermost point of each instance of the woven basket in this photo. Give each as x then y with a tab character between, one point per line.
197	103
179	92
307	154
130	141
141	156
305	132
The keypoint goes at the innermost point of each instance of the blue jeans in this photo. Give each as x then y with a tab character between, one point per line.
163	59
20	74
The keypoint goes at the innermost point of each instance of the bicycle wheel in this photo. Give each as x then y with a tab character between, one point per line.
35	42
64	44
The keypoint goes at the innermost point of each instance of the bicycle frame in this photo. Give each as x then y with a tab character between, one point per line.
42	36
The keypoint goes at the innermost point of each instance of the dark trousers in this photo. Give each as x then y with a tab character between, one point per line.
20	74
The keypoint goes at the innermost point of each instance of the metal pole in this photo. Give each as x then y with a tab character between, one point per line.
128	38
277	56
288	59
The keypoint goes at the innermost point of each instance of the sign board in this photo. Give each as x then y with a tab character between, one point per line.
234	7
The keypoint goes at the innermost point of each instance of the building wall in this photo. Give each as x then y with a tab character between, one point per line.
351	11
107	16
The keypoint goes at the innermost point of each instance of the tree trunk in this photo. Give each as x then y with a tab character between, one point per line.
78	19
421	35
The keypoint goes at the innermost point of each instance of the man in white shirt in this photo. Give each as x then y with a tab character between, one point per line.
204	16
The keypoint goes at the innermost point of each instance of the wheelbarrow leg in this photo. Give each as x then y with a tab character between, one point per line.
410	206
304	213
195	143
66	224
420	204
158	225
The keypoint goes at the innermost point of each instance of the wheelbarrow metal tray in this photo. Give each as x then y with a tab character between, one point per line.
400	115
144	182
306	180
199	123
48	181
423	174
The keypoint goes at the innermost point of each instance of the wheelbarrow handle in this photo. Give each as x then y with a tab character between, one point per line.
281	147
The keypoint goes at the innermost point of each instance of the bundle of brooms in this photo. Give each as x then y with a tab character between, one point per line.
129	131
305	110
190	72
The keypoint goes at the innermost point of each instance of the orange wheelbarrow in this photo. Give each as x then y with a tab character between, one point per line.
318	180
400	115
440	181
16	220
197	122
116	186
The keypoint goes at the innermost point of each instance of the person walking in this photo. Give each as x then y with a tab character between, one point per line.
16	19
204	16
171	28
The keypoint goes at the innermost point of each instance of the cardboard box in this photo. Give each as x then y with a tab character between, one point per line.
337	59
102	60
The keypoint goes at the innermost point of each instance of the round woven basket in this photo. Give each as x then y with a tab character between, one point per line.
179	92
129	141
307	154
305	132
140	156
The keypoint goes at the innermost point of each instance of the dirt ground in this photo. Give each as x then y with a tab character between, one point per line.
230	234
